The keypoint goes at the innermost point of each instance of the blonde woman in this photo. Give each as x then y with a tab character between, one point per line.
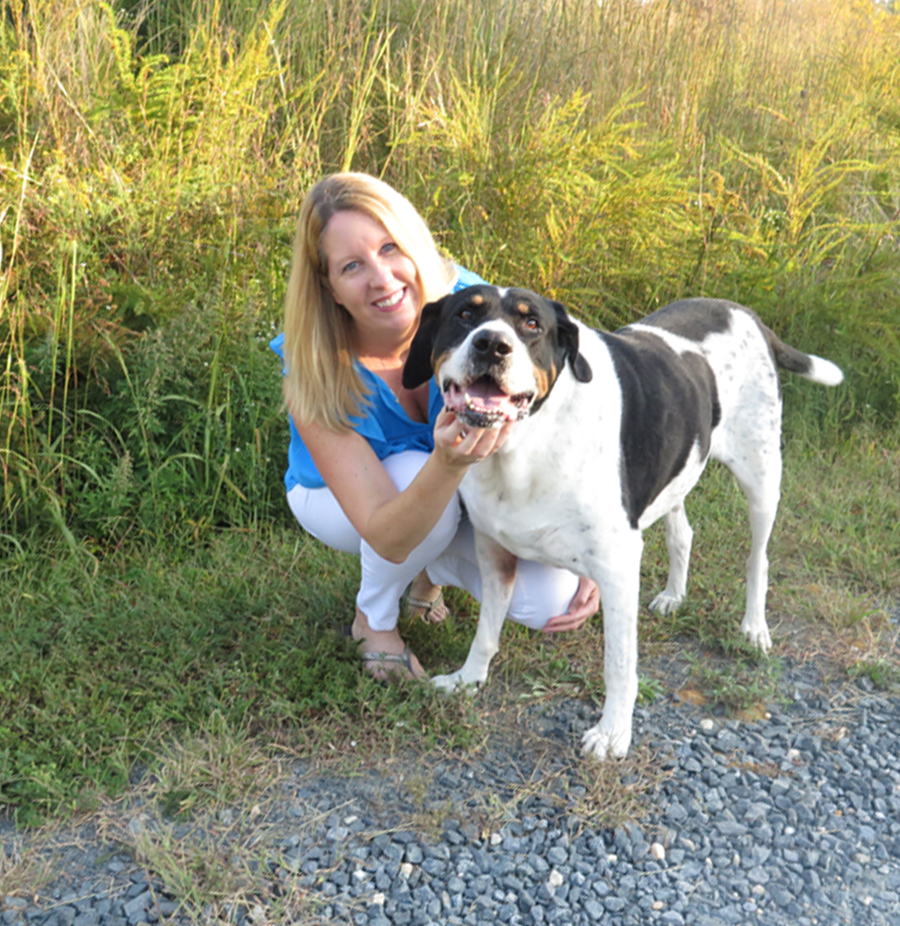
373	468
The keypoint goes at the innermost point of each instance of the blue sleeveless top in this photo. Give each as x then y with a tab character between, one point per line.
384	423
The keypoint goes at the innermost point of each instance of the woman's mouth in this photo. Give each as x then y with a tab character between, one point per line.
390	301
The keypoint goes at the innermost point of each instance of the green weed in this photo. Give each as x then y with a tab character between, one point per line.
202	662
649	689
882	673
739	685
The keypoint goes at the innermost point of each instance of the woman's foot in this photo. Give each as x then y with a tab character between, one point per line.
426	600
383	652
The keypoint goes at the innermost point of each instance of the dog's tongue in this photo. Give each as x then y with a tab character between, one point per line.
482	397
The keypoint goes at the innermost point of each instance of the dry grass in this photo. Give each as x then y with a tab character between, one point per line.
219	866
211	771
228	858
615	792
27	863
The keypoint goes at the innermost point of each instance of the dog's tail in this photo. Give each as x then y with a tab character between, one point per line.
809	366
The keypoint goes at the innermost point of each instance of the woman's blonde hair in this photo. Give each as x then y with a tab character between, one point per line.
321	381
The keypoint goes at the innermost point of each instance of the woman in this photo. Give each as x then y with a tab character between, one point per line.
374	468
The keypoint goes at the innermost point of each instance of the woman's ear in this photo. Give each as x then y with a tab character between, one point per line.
325	283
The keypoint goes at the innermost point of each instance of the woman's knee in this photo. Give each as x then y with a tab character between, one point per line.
317	511
403	467
541	592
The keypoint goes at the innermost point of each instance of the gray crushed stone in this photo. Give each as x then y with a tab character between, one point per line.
794	819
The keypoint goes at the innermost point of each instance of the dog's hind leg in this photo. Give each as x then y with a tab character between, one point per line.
763	502
679	536
498	577
617	573
759	475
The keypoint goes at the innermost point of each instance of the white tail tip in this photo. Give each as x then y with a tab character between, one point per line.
824	372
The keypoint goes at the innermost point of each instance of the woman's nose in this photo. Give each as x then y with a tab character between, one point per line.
382	272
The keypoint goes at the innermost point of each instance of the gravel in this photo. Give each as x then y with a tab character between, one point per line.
794	819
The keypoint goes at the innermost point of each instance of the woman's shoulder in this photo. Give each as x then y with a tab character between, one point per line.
466	278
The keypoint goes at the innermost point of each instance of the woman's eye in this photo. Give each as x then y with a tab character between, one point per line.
349	268
388	248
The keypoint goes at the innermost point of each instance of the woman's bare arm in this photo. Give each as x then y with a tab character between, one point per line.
394	523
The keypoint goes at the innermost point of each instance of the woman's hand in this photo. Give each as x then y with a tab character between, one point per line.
584	605
459	444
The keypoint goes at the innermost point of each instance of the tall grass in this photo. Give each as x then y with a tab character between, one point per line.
615	155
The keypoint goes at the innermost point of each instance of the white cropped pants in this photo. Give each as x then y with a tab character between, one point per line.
447	553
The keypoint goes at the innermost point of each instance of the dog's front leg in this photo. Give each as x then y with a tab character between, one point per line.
498	576
618	576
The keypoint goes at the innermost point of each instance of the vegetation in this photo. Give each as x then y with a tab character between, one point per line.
615	155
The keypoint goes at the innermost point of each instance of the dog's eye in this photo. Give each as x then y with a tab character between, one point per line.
532	324
465	314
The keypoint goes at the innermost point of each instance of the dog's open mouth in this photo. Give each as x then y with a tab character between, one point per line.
483	404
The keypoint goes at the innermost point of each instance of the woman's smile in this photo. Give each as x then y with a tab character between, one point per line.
391	301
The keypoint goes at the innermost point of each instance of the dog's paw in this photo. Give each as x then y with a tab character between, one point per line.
758	636
603	741
666	603
454	682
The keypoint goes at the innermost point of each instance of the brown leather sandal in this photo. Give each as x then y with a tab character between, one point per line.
430	612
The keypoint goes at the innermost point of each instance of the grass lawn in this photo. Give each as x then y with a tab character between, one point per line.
107	664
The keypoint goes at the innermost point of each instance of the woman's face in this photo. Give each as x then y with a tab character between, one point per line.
371	278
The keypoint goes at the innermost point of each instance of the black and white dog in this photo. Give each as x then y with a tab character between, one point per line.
614	430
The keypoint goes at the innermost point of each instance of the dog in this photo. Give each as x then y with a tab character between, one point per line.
613	430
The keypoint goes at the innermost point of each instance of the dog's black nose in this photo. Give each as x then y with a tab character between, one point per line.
492	344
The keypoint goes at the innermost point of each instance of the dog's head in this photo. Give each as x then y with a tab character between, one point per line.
496	353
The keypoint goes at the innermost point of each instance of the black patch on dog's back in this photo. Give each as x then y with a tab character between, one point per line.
693	319
669	404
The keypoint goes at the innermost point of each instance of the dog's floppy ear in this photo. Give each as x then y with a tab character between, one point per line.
418	368
567	335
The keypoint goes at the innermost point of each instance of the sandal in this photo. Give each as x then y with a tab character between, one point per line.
394	660
430	612
398	660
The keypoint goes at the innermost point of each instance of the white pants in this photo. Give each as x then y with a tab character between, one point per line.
447	553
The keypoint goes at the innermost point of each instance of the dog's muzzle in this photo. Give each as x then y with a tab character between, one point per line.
481	403
482	400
